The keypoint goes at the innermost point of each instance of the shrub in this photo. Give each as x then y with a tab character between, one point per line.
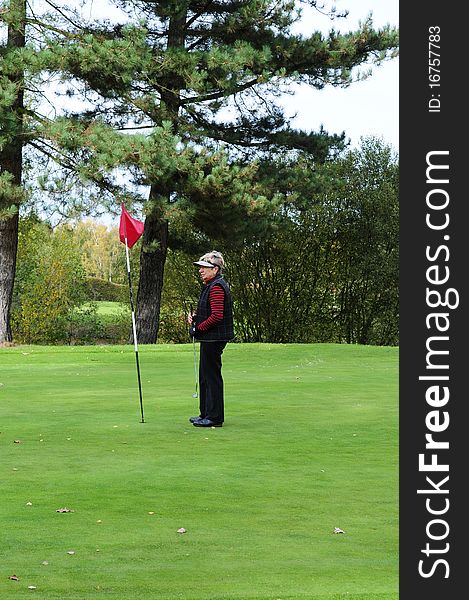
83	326
102	290
173	326
49	284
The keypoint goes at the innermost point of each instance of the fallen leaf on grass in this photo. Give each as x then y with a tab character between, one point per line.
64	510
338	530
14	578
182	530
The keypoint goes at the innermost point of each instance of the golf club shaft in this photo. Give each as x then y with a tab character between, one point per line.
195	367
195	361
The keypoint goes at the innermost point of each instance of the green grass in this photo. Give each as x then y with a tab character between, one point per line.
310	443
107	309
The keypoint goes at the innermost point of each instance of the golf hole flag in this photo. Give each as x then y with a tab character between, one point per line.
129	228
130	231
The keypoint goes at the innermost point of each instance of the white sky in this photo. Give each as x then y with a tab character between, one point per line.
365	108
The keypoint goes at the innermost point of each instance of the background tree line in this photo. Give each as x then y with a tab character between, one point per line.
324	269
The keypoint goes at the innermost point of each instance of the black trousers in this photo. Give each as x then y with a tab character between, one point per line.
211	398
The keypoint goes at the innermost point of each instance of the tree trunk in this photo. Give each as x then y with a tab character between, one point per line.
11	161
152	262
155	236
8	248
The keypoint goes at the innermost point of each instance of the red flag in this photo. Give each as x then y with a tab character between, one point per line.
129	228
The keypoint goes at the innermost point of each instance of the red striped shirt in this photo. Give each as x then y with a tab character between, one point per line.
217	305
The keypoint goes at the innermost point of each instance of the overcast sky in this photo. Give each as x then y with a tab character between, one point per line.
369	107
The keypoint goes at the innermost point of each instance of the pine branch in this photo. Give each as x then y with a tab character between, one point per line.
220	94
64	15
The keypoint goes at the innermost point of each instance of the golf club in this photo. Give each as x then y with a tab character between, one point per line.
195	394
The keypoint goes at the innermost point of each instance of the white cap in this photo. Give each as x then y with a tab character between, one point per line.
210	260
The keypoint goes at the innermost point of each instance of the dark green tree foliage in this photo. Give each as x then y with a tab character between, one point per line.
328	269
368	246
211	72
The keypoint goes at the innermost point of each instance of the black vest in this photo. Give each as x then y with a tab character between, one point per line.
222	331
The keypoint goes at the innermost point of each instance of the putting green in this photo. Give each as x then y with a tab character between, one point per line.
310	443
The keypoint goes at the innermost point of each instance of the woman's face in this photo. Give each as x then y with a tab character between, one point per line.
207	273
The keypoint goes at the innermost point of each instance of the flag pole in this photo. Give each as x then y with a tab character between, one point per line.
134	330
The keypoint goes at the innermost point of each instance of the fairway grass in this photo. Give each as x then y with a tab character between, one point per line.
310	443
108	309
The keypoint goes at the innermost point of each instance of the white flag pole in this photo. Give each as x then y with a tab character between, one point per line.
134	329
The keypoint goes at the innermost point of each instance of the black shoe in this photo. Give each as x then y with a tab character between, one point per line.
206	423
194	419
